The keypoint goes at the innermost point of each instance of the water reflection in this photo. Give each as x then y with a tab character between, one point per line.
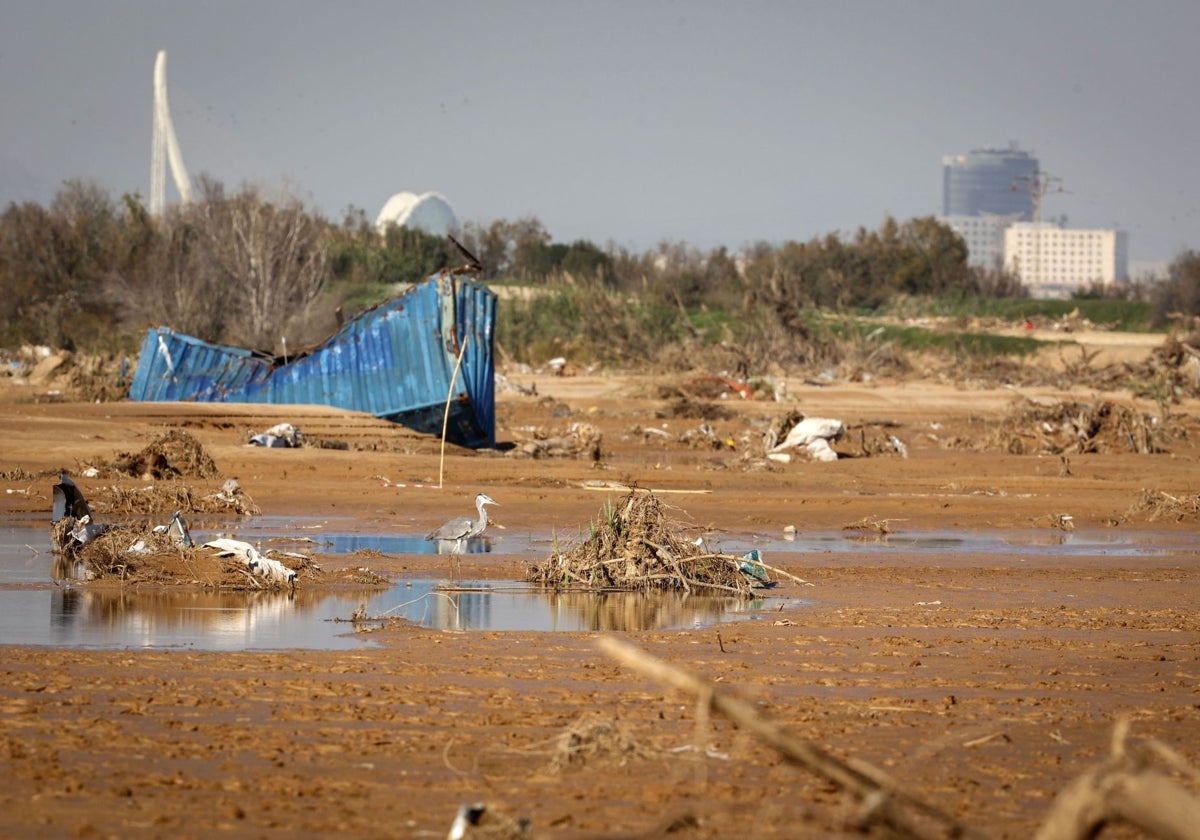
508	606
79	617
70	616
389	544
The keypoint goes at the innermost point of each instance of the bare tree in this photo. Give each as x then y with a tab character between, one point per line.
269	258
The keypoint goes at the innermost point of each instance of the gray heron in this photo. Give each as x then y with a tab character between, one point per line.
463	528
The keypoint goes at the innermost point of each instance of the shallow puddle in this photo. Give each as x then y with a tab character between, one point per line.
79	617
35	610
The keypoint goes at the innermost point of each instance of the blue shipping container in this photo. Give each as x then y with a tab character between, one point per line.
395	360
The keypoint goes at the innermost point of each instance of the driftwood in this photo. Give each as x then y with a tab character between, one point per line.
1125	788
882	799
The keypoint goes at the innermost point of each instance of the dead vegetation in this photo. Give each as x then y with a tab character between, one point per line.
175	454
1155	505
1069	428
597	739
167	496
633	546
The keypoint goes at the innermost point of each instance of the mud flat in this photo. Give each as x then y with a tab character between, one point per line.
979	620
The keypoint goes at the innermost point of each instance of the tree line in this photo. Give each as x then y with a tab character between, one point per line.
264	271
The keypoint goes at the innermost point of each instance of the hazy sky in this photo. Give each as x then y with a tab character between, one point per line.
631	122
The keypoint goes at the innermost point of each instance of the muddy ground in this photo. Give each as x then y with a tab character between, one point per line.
983	684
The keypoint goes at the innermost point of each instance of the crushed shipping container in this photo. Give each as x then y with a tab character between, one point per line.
394	360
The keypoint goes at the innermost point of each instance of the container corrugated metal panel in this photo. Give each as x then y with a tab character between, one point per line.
395	361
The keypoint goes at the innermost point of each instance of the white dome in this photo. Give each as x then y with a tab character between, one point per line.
429	211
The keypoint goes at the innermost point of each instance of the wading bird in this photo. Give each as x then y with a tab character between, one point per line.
463	528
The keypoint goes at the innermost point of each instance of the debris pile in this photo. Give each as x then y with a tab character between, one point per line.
176	495
143	553
1155	505
580	440
174	455
1067	428
279	436
705	436
634	547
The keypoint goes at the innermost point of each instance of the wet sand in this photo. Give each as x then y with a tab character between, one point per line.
985	683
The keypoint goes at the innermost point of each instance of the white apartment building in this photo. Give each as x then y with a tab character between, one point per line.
1054	262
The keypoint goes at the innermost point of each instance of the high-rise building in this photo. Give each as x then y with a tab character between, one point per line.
997	182
982	194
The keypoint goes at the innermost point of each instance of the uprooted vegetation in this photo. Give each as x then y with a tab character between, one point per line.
175	454
1068	428
634	546
1156	505
167	496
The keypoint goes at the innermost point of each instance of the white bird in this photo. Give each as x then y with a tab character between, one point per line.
463	528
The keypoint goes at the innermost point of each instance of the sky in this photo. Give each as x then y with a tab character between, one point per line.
625	122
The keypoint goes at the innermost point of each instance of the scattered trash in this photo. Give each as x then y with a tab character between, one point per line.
279	436
718	387
705	437
85	530
752	567
177	530
255	562
232	495
651	431
809	435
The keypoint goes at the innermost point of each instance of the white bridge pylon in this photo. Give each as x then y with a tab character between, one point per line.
164	147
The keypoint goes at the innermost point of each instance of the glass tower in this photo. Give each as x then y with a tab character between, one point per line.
989	182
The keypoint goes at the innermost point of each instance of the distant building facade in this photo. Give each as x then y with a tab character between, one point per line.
984	236
984	192
992	181
1054	262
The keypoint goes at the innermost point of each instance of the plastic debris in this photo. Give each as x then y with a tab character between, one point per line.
809	435
177	529
279	436
750	564
256	563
